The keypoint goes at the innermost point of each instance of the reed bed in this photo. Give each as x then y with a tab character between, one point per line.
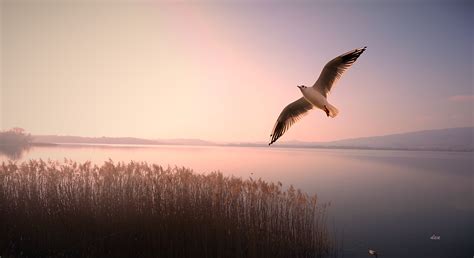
69	209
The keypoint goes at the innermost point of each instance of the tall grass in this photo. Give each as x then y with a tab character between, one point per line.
51	209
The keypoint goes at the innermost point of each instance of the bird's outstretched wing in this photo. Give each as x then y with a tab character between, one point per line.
288	116
334	69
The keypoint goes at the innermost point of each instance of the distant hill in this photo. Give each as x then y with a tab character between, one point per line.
90	140
456	139
450	139
114	140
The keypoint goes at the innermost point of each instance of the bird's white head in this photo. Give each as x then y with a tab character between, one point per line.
302	87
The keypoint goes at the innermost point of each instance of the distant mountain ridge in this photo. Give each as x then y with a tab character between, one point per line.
446	139
90	140
449	139
60	139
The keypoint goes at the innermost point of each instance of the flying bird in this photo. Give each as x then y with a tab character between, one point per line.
315	96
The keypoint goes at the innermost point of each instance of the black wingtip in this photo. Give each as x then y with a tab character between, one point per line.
272	141
352	56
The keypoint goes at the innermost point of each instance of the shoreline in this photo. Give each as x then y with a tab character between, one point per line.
73	144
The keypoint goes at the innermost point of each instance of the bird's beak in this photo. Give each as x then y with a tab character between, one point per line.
299	87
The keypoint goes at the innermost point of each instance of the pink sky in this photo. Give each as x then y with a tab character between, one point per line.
223	72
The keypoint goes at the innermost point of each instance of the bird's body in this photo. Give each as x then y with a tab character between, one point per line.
315	96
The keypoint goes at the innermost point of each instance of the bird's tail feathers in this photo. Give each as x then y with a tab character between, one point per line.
333	111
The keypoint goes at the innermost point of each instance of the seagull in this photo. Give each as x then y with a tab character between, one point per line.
315	96
374	253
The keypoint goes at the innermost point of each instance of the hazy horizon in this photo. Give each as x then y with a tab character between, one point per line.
263	141
223	71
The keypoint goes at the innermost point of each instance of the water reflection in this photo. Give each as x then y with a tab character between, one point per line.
13	152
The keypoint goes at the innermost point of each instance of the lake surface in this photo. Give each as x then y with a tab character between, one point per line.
390	201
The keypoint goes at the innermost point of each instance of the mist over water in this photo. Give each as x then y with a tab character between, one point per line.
391	201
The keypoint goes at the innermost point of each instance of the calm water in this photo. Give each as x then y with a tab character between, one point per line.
390	201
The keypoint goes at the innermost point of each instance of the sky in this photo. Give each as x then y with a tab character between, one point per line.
223	70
